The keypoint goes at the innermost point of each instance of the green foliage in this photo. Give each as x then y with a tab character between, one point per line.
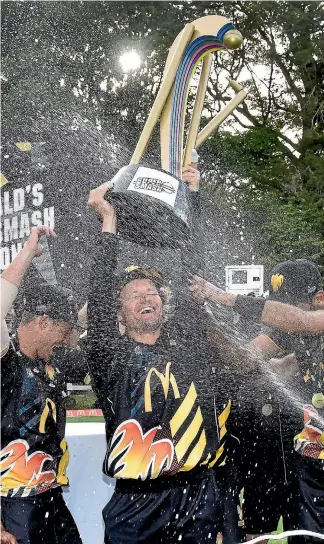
286	229
255	156
56	55
79	401
278	531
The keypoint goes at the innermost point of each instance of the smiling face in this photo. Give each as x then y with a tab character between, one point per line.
141	307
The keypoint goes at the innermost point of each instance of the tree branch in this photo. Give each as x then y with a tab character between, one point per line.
216	96
244	110
290	142
259	96
269	92
240	122
285	71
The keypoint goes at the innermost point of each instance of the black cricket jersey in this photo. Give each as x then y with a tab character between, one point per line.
34	453
307	414
163	414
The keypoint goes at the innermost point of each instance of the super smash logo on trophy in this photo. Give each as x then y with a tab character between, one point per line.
154	206
151	184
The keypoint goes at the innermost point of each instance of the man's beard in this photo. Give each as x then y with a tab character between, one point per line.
148	326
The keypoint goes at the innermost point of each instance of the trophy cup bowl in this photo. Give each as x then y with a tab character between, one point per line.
153	207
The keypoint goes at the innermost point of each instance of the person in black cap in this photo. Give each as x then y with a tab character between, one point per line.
34	453
165	419
265	472
294	419
300	424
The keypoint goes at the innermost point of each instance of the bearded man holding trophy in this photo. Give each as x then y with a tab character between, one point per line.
160	383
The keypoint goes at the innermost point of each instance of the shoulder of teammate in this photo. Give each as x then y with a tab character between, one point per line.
71	363
100	361
193	322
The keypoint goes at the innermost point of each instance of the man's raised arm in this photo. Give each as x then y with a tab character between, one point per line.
12	277
102	313
291	318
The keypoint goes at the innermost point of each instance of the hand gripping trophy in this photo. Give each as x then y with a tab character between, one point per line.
154	205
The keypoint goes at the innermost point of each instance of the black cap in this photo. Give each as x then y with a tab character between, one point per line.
140	273
295	281
55	301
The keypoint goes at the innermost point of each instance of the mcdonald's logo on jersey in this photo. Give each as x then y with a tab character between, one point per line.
49	408
166	379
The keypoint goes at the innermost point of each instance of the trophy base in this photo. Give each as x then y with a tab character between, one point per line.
153	207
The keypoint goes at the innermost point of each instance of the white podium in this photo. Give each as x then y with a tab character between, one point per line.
89	489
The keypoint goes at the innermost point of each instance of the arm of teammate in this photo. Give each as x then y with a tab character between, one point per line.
261	348
80	329
241	358
224	344
264	346
205	291
102	313
287	367
271	313
192	258
293	319
11	278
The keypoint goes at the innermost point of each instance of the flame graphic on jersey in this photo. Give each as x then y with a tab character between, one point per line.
310	441
18	469
137	455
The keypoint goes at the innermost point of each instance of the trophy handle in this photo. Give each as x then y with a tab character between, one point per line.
195	43
223	114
